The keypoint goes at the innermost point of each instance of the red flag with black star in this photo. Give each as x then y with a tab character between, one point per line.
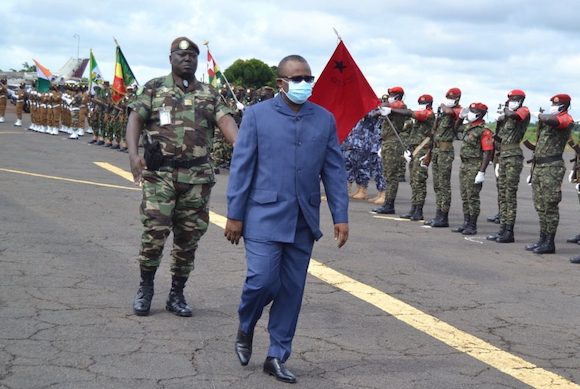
344	91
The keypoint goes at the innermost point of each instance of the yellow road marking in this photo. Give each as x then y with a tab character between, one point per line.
114	169
485	352
68	179
391	218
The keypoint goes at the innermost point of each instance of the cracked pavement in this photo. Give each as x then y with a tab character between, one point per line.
67	254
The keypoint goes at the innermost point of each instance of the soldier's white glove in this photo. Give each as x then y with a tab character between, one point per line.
496	170
407	156
385	111
421	162
379	153
529	180
479	178
571	176
464	112
240	106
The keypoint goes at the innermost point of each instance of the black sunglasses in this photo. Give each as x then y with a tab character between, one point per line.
298	79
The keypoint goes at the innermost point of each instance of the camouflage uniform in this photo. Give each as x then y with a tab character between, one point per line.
392	150
3	99
549	172
177	198
422	126
475	137
511	162
443	156
375	160
356	149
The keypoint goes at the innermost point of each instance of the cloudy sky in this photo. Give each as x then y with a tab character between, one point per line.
485	47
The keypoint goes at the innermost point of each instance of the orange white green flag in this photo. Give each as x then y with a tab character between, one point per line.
43	75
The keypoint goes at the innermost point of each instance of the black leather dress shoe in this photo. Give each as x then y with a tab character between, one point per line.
275	367
243	347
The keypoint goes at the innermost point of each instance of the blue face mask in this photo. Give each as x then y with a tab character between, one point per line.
299	92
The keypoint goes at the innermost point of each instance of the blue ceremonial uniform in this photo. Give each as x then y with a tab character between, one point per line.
279	159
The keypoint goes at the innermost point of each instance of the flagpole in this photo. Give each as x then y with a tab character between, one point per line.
90	75
206	44
336	32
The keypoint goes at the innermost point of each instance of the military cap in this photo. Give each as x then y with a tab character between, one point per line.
183	43
478	107
561	98
516	92
396	90
453	92
425	99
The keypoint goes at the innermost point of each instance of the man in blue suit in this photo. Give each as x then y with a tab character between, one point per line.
285	147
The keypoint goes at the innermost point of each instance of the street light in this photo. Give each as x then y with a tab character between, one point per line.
78	43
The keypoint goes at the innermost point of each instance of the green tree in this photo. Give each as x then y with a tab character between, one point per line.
26	67
251	73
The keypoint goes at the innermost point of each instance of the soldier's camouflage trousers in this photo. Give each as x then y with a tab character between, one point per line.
391	151
547	189
357	167
2	106
470	190
168	205
508	181
442	164
419	177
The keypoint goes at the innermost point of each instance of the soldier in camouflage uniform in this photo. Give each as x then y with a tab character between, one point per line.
423	120
20	97
356	149
93	114
548	171
443	155
391	148
3	98
511	128
179	114
476	153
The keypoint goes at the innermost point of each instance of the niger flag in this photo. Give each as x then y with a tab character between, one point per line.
123	77
344	91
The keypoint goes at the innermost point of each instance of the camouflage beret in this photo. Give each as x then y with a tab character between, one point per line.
183	43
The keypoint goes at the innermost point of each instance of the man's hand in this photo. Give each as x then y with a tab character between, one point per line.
341	233
233	231
407	155
137	166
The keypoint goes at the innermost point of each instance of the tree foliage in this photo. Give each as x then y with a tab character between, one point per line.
26	67
251	73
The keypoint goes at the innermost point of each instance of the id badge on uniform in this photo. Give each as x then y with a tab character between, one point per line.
164	115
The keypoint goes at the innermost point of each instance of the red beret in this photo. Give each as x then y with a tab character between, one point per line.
425	99
562	98
396	90
453	92
517	92
183	43
478	107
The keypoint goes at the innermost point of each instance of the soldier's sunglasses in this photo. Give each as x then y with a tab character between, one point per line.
299	79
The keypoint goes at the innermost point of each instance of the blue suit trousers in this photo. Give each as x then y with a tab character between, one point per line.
276	273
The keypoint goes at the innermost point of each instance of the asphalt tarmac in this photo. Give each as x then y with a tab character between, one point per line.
411	314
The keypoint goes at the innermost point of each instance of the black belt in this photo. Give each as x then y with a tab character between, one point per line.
185	164
548	159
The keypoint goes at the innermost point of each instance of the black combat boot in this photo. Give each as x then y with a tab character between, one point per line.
497	234
494	218
388	208
548	247
142	302
507	236
574	239
471	228
175	301
418	215
410	213
533	246
431	221
463	226
443	220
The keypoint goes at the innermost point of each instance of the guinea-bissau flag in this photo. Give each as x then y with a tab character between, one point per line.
124	77
43	77
214	73
344	91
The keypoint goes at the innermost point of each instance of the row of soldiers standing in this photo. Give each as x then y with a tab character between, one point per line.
430	142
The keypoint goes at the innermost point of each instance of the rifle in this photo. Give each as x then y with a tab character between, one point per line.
532	147
431	138
576	168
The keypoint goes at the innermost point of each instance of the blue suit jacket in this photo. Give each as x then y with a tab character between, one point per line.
279	159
